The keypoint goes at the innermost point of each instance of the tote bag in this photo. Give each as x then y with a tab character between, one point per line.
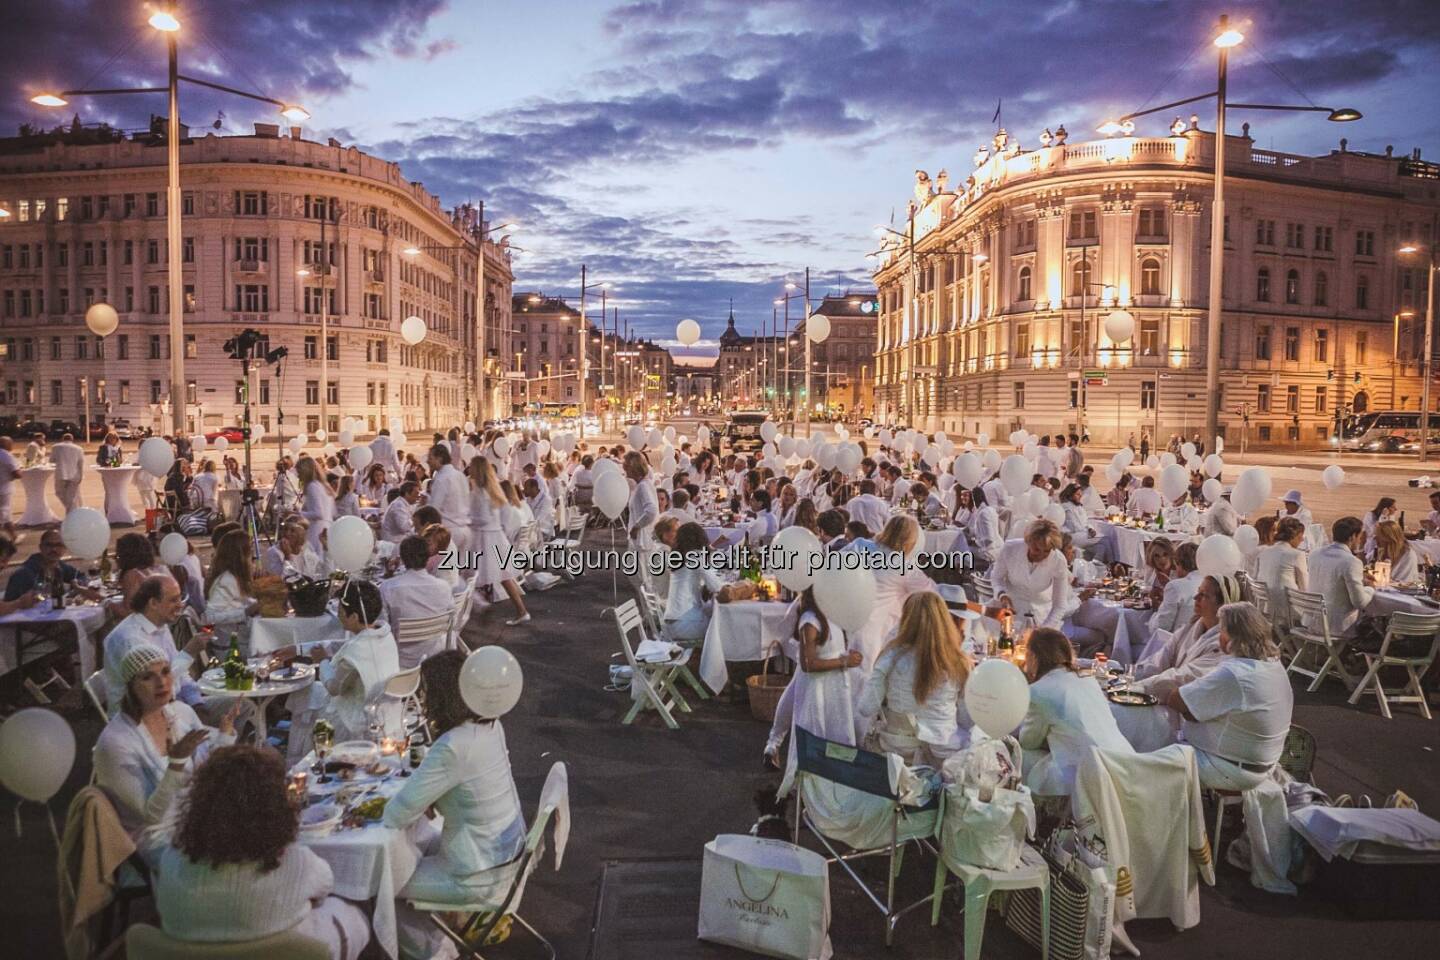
765	896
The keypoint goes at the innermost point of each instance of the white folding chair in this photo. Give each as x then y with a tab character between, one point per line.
652	610
656	681
96	693
495	893
984	590
404	688
461	619
1310	627
1402	627
413	635
569	541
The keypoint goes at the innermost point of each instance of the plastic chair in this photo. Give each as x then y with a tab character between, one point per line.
502	897
461	619
1402	627
656	680
1297	758
144	942
866	772
980	883
984	590
418	631
1310	627
404	688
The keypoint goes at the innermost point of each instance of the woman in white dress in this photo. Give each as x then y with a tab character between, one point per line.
555	487
203	488
984	529
229	879
373	485
229	600
1391	546
465	778
916	687
1033	576
895	582
347	502
1284	566
1068	715
693	585
821	700
644	503
489	546
964	507
148	750
317	504
1386	509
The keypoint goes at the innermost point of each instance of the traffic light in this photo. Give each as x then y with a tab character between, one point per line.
1329	374
1357	376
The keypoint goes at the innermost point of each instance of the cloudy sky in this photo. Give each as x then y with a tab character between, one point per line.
694	151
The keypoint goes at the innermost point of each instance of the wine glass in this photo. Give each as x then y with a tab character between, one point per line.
324	738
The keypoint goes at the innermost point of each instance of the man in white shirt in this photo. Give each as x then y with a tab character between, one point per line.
537	495
9	473
1220	517
764	527
291	555
396	524
680	507
415	594
1145	500
69	462
1090	498
450	494
868	508
1337	573
1431	523
1177	606
383	450
155	605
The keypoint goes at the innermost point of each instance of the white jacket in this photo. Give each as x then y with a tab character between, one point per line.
69	461
1190	654
1177	606
450	494
1281	568
135	774
1068	715
1338	576
1039	589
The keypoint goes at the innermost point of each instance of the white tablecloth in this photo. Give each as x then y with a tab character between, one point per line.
744	630
37	512
1129	628
1386	602
268	634
1427	548
722	537
87	621
1117	543
118	481
1147	728
949	540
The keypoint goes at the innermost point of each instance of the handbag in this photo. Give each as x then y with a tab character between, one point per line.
1069	907
766	896
986	833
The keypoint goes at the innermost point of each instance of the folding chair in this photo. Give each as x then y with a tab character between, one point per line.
818	759
1310	627
415	633
130	881
984	590
652	611
655	680
1402	627
461	619
96	693
499	889
404	688
569	541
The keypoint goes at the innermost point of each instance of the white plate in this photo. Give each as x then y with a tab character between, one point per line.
362	753
321	818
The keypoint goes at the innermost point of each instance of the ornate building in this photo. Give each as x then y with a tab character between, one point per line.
995	297
842	378
88	224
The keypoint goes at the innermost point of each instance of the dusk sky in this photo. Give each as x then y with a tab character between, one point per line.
691	151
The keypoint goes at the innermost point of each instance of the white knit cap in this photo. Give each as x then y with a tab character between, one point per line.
140	658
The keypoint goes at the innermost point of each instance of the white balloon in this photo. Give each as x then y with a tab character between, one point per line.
656	437
1174	481
1219	444
222	444
669	434
544	447
687	332
1195	465
329	450
991	460
1124	457
931	455
469	426
825	454
1113	473
296	444
1018	437
321	435
157	456
1187	450
1212	490
491	681
397	424
360	457
400	439
1119	326
886	437
1213	465
1332	476
173	549
1251	490
796	552
997	697
351	543
845	596
1218	555
847	458
347	438
1167	459
803	447
605	465
817	327
945	481
1030	450
667	464
467	452
869	432
611	493
982	439
787	447
86	532
412	330
1153	462
1016	473
101	319
197	443
768	430
37	751
635	437
968	468
502	446
1247	538
1054	513
1034	501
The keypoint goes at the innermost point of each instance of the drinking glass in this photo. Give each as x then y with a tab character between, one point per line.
324	738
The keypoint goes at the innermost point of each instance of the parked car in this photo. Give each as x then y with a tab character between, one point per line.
58	428
122	428
741	432
232	434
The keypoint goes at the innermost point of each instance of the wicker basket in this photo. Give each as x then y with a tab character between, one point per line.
273	595
765	689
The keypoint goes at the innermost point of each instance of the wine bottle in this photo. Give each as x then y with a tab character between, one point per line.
105	565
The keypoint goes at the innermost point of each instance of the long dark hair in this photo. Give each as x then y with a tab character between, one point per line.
234	779
134	552
232	555
808	605
445	709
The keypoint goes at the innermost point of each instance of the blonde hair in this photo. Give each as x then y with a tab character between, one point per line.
900	533
1389	541
928	631
1046	531
1247	632
482	477
308	471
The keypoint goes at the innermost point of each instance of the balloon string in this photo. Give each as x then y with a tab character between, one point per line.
614	563
18	832
50	815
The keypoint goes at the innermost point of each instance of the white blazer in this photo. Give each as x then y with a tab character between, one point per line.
1282	567
1039	589
1068	715
1338	576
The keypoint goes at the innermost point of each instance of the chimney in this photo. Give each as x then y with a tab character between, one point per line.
294	133
332	142
267	130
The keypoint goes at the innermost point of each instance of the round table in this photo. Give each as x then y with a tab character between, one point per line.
261	693
37	513
117	481
744	630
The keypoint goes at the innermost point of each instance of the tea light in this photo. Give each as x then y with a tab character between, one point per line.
389	745
297	788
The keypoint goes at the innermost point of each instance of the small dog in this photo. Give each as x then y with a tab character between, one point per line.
774	821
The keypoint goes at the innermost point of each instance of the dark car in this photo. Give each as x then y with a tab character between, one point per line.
232	434
741	432
58	428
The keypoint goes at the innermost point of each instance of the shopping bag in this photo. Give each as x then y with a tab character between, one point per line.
765	896
1084	858
986	833
1069	907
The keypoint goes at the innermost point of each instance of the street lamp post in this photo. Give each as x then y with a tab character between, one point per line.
165	22
1425	361
582	363
1226	36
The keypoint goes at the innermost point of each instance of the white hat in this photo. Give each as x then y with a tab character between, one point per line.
1291	496
140	658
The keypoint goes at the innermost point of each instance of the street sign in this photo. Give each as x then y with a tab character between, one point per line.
1096	378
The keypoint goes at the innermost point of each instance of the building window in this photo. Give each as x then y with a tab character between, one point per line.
1022	339
1080	277
332	347
1292	286
252	297
332	391
251	203
1364	243
1262	343
152	204
312	348
152	251
1322	289
1262	398
191	351
122	350
1083	225
154	391
155	346
1019	394
1265	233
1295	235
1262	285
264	392
312	392
187	250
1325	239
1362	341
82	348
1150	277
154	299
1322	345
1025	233
1149	336
1023	284
1074	394
1292	399
124	391
54	348
1152	222
239	392
57	392
1292	343
1362	292
187	204
1147	394
1320	399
